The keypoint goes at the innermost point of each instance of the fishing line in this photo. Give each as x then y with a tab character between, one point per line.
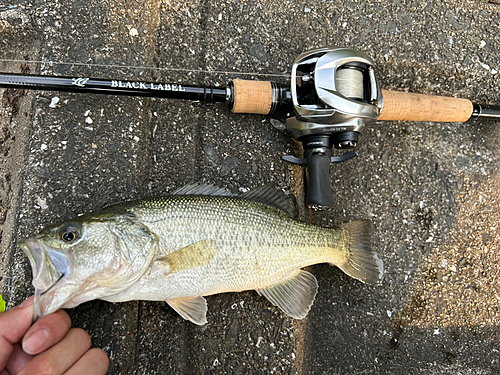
53	285
167	69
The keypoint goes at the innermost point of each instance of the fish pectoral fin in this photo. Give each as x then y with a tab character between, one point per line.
295	295
193	309
189	257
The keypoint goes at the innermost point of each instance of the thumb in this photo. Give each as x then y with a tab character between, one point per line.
13	325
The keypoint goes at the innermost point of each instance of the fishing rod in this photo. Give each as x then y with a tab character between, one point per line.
333	93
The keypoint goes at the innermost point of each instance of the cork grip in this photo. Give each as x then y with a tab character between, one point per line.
403	106
252	96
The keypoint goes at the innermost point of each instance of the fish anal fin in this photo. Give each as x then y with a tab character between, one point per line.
294	295
193	309
192	256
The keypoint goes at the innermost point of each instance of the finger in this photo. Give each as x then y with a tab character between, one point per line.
17	360
61	356
46	332
13	325
95	362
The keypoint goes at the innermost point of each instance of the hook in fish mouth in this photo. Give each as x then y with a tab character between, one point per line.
51	268
41	302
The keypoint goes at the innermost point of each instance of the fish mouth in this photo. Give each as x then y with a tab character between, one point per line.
51	268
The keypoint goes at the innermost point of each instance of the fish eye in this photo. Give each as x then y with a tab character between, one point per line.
69	232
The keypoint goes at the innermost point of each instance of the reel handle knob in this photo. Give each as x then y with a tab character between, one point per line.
319	191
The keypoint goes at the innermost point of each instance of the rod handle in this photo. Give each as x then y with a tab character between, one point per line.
252	96
403	106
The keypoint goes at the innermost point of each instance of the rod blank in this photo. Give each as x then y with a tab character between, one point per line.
488	111
113	87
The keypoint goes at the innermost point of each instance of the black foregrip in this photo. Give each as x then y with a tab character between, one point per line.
319	191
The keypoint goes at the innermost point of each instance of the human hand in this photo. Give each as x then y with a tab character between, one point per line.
49	346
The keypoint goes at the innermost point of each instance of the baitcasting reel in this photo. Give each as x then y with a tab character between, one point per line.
334	92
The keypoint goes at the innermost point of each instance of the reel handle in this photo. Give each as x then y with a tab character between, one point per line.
319	191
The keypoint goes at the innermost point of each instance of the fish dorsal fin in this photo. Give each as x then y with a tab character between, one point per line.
192	256
203	189
295	295
272	196
193	309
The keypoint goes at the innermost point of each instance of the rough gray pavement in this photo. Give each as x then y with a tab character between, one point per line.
431	189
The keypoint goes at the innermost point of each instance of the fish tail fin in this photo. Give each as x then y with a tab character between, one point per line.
361	262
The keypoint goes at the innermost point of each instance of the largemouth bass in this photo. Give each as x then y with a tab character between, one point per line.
200	241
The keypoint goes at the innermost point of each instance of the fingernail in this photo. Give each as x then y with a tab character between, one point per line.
27	303
34	342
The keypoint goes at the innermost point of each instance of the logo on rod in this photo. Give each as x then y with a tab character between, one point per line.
147	86
80	82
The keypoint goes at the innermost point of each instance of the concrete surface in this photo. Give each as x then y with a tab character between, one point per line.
431	189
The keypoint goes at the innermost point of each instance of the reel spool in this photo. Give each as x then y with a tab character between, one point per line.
334	92
350	82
